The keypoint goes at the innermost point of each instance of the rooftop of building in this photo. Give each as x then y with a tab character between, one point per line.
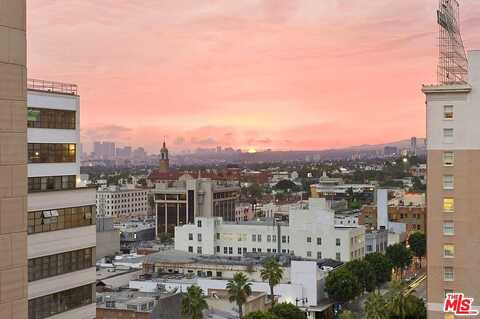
52	87
130	299
181	257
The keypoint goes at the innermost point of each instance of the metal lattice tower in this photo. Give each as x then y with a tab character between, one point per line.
453	63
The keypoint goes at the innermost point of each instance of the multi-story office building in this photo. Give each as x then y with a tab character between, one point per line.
179	202
311	232
336	189
13	167
61	216
118	201
453	137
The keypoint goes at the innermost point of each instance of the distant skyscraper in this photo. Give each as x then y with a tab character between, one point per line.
413	146
13	168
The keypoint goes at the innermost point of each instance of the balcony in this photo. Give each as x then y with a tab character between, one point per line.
52	87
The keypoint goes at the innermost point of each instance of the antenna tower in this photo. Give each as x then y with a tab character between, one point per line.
453	63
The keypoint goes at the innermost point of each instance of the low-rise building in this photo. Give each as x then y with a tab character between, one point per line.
133	233
413	217
122	201
310	232
336	189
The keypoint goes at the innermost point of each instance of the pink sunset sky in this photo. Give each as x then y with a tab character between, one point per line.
280	74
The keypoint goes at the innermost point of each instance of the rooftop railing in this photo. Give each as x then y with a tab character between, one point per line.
51	86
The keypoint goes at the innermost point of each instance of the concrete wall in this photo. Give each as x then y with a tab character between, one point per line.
13	159
108	243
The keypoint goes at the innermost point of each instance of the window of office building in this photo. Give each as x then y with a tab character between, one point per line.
448	273
239	250
51	183
58	264
337	241
448	112
448	158
319	241
49	118
51	153
448	205
319	254
63	218
309	254
199	250
269	238
199	237
190	249
225	250
309	239
254	237
190	236
448	228
337	256
448	250
50	305
448	182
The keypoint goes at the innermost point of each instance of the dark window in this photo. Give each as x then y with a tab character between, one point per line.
51	153
51	183
49	118
54	265
62	218
49	305
191	205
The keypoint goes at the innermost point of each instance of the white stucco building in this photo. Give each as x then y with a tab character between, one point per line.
311	232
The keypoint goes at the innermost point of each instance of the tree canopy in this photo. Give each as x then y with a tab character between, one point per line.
399	256
341	285
418	244
382	267
287	311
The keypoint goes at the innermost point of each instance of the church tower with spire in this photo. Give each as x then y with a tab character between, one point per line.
164	162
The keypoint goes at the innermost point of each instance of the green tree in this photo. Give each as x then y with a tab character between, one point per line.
382	267
415	308
399	256
376	307
193	303
364	273
287	311
255	191
418	245
260	315
341	285
347	314
273	274
286	185
239	289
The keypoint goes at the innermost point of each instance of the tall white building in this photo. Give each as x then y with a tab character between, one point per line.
117	201
311	232
61	216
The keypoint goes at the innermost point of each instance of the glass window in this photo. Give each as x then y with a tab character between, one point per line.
309	239
448	135
190	236
190	249
259	238
254	237
51	153
337	256
448	273
49	118
199	237
319	254
448	205
309	254
269	238
448	112
337	242
50	305
319	241
448	158
199	250
448	182
448	228
448	250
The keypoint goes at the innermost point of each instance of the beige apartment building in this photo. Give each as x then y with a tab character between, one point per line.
453	221
13	161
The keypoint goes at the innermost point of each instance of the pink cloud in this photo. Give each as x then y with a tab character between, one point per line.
317	74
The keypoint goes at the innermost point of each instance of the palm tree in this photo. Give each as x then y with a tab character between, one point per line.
239	289
375	306
398	300
273	273
193	303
